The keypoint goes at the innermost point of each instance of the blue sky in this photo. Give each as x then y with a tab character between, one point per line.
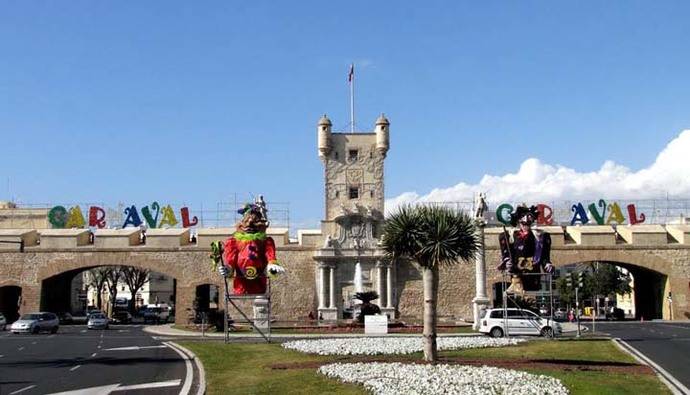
192	102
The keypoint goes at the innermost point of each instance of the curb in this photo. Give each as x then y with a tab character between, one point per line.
675	386
163	330
197	362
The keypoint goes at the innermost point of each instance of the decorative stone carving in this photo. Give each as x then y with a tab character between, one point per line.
356	227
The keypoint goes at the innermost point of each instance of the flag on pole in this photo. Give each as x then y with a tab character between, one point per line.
351	74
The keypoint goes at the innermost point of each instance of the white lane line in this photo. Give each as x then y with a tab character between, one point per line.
93	355
22	390
188	366
20	348
75	368
33	342
133	348
83	331
1	356
159	384
51	336
201	389
671	382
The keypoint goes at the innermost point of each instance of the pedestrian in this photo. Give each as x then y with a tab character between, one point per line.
571	317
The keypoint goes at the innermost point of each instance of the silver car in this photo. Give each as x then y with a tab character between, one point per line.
97	321
35	323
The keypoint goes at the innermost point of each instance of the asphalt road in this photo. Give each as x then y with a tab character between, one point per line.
122	360
665	343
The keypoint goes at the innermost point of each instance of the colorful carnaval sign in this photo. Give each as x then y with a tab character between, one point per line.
60	217
597	213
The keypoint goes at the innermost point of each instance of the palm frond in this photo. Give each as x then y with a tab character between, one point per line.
430	235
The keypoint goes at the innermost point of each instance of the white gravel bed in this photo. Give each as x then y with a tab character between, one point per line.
398	378
392	345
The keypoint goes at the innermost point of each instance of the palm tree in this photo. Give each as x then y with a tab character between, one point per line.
431	236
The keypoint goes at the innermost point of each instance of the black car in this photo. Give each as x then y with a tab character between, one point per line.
122	317
65	318
615	315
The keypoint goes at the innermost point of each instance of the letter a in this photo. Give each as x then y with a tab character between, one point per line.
580	214
168	217
616	214
76	218
132	217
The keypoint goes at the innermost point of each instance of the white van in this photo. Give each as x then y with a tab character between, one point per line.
520	322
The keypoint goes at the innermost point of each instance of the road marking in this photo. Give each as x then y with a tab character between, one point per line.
83	331
133	348
123	330
93	355
159	384
22	390
188	366
671	382
21	348
75	368
51	336
675	326
1	356
107	389
33	342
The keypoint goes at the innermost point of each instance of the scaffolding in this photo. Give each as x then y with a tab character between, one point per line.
231	299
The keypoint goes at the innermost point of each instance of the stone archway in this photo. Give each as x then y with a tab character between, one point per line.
650	276
10	299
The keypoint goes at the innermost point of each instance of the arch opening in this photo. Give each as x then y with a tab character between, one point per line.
10	300
111	288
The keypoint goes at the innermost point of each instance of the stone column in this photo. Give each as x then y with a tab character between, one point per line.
379	281
481	300
322	286
389	286
331	290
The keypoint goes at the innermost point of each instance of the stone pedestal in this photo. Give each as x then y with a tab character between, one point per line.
261	316
328	314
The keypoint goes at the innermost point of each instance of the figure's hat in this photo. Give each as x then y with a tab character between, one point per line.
521	211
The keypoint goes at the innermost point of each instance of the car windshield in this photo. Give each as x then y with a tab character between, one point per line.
98	316
30	317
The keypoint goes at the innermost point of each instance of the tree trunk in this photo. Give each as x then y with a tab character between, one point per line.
99	298
430	279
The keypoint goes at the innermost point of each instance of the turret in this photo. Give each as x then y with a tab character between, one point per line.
324	133
382	137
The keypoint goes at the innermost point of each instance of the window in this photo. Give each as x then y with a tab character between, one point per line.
352	155
354	193
496	314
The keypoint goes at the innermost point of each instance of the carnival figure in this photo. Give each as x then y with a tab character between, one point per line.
249	256
527	255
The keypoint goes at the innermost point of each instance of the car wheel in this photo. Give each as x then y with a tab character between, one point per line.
547	331
496	332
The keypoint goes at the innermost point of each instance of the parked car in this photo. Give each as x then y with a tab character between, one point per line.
92	312
520	322
35	323
97	321
615	314
3	322
156	314
65	318
122	317
560	313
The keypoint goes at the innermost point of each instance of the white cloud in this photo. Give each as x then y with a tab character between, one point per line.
536	181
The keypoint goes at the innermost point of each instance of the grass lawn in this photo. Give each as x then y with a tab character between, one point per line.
584	366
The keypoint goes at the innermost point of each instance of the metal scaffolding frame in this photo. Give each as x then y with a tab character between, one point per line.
230	300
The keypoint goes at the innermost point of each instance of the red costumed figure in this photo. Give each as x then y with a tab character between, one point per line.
249	255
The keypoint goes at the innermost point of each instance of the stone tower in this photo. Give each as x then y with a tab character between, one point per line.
354	204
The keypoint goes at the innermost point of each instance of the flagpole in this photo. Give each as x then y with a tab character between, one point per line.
352	97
